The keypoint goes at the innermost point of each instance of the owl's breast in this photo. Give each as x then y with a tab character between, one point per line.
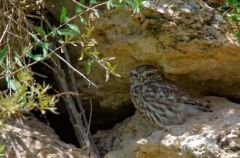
135	90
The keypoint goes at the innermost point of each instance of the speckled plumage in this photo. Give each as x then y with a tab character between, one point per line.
158	99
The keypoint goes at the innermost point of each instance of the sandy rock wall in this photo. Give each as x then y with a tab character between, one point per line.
192	44
195	47
190	41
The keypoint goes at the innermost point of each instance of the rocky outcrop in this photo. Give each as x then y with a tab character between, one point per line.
30	138
191	42
195	47
212	135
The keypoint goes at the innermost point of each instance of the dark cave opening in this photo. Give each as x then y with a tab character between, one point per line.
102	119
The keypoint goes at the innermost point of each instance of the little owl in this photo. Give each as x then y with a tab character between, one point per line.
159	100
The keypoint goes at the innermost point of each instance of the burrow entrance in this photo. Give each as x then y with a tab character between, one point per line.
102	119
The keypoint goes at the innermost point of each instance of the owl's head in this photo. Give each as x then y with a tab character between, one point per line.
144	73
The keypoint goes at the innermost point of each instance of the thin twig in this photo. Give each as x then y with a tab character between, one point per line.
75	70
77	15
101	63
15	35
4	33
29	65
80	4
79	104
40	18
53	51
48	66
39	74
90	116
66	22
66	93
70	105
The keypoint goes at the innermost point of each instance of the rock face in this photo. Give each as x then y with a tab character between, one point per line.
30	138
211	135
195	47
191	42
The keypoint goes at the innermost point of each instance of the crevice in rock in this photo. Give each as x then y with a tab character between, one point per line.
61	124
235	100
232	99
102	118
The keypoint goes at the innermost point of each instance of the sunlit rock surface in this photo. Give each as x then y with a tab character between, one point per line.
212	135
190	42
30	138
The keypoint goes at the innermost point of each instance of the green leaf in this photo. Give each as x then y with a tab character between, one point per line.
88	66
135	4
40	30
113	68
109	4
238	9
93	53
54	31
35	38
92	2
67	32
232	1
2	148
13	84
83	20
81	55
27	51
234	17
95	12
2	125
74	27
17	59
24	76
63	14
238	34
36	57
3	53
117	5
78	8
44	46
82	1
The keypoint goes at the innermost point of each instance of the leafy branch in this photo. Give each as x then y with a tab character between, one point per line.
231	9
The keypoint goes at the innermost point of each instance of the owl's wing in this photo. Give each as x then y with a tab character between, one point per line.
167	93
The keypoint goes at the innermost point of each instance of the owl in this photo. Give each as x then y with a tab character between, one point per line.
160	100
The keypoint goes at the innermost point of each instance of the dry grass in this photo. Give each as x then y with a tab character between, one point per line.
12	26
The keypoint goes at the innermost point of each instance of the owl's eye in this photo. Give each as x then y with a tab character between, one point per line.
150	74
133	75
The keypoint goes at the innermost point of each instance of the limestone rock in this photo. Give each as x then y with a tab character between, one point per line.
191	42
207	135
30	138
